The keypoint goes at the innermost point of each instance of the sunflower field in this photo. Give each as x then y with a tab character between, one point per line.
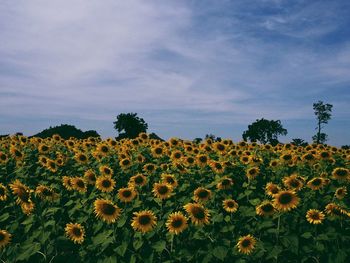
146	200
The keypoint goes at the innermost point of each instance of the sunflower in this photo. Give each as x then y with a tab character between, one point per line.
334	210
273	163
189	161
21	191
75	232
67	183
90	177
126	195
169	179
225	183
201	195
3	192
219	147
105	183
285	200
157	152
293	182
217	167
202	160
314	216
140	158
266	208
246	244
138	180
144	221
106	210
316	183
103	149
271	189
46	193
5	238
125	163
340	193
252	172
340	174
199	215
245	159
149	168
3	157
43	148
81	158
176	223
162	190
16	153
230	205
51	165
106	170
78	183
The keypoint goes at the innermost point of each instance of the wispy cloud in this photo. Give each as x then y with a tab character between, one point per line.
180	62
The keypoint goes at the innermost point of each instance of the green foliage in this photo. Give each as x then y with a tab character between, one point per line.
129	125
264	131
323	115
66	131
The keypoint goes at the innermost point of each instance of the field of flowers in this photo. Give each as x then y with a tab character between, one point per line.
145	200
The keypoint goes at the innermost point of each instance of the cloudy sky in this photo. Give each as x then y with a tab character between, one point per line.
187	67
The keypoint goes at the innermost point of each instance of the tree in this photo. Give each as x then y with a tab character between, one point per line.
264	131
129	125
299	142
323	115
66	131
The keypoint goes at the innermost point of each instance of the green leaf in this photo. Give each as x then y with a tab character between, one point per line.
121	221
306	235
227	218
4	217
137	244
159	246
102	237
254	201
122	249
220	252
218	218
28	221
28	250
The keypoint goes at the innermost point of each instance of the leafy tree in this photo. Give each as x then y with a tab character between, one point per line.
197	140
129	125
299	142
264	131
66	131
323	115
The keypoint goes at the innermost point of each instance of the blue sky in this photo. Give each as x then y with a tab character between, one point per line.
187	67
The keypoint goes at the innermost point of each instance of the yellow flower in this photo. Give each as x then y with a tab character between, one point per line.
75	232
162	190
106	210
176	223
314	216
201	194
199	215
144	221
230	205
5	238
246	244
285	200
266	208
105	183
126	195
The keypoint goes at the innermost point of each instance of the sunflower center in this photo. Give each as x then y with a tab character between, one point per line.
18	153
126	162
267	208
190	160
317	182
230	204
77	232
23	195
2	236
285	198
127	193
294	183
158	151
202	159
80	183
315	216
107	171
341	173
106	183
198	212
138	180
3	157
163	189
218	166
246	243
46	192
144	220
170	180
104	149
82	158
150	168
226	182
203	194
220	147
108	209
177	223
2	191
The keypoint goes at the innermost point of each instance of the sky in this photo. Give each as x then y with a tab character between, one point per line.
187	67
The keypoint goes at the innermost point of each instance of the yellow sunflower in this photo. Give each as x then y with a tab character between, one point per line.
144	221
293	182
105	183
5	238
225	183
271	189
106	210
125	163
285	200
90	177
217	167
67	183
149	168
314	216
340	174
46	193
3	158
103	149
3	192
266	208
21	191
198	214
75	232
81	158
246	244
162	190
176	223
106	170
202	160
201	195
252	172
78	183
126	195
230	205
333	209
169	179
138	180
316	183
340	193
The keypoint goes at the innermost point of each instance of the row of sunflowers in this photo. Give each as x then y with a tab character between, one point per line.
146	200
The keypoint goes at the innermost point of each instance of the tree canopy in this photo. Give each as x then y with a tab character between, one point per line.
129	125
264	131
66	131
323	115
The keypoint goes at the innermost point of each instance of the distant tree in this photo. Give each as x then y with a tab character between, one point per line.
323	115
264	131
4	135
66	131
197	140
154	136
299	142
345	147
212	137
128	125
